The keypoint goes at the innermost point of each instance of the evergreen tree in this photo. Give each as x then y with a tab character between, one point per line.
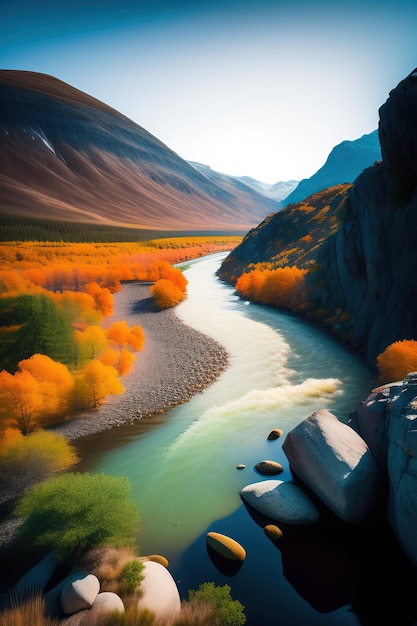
44	330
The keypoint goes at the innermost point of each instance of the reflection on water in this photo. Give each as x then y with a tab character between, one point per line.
182	465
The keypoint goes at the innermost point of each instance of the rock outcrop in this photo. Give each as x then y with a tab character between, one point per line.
354	469
387	421
358	241
367	262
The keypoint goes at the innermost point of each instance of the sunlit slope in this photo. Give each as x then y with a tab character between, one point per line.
293	236
66	155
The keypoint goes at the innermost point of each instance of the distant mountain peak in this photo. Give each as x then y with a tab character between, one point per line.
343	165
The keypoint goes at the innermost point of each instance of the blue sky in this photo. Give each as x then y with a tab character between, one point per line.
258	88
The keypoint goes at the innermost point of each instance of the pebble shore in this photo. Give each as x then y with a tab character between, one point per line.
175	363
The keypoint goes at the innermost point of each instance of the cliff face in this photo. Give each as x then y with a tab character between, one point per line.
370	262
362	246
387	421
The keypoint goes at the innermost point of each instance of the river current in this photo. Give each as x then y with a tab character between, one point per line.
182	465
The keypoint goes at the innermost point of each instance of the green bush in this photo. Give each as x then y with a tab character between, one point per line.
131	576
75	512
227	612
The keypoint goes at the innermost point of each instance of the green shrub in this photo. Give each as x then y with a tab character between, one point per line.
227	612
131	576
75	512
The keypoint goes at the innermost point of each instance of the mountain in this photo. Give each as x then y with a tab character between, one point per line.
344	163
362	252
294	234
277	191
67	156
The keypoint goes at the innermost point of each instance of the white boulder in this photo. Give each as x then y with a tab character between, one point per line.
159	593
107	602
79	592
282	501
335	463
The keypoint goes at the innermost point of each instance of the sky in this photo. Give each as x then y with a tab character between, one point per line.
259	88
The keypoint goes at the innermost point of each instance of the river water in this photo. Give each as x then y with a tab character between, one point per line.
182	464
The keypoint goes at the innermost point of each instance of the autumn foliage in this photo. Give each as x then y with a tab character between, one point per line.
282	287
166	294
57	355
93	383
24	461
397	360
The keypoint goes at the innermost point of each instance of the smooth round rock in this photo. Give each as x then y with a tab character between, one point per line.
226	546
240	466
281	501
273	532
269	467
158	558
159	593
79	593
107	602
275	434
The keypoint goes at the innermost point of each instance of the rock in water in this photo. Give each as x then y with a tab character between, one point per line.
336	464
281	501
226	546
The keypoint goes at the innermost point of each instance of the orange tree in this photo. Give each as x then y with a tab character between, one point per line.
93	383
123	338
166	293
397	360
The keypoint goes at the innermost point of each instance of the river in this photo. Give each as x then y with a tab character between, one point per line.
182	465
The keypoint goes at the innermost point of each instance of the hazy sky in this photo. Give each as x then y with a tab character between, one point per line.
258	88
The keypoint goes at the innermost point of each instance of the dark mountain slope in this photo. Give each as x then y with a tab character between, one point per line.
362	283
65	155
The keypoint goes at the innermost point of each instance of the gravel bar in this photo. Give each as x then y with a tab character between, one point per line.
175	363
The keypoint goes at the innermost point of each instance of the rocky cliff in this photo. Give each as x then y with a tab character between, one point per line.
387	420
361	245
369	262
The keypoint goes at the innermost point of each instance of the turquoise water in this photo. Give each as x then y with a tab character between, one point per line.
182	464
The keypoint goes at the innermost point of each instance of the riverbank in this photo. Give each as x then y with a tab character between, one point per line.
175	363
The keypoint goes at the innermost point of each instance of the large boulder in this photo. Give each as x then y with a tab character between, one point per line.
159	593
36	579
281	501
79	592
105	604
336	464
